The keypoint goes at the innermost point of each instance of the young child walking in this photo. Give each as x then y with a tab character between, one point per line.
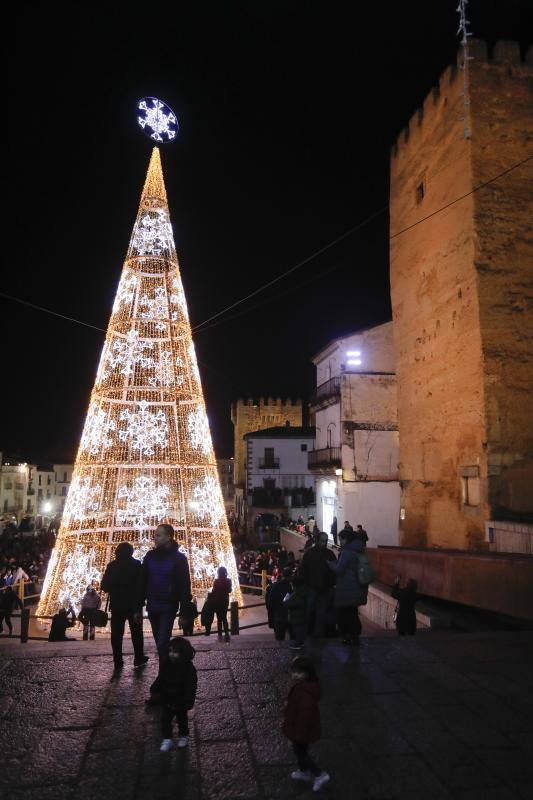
220	601
301	724
178	691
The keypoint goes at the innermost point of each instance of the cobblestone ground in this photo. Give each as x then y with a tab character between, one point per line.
439	716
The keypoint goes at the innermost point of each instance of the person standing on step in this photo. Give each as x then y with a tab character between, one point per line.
349	593
178	681
91	602
220	599
121	583
165	583
301	724
405	610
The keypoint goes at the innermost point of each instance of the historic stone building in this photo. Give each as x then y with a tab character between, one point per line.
250	415
461	287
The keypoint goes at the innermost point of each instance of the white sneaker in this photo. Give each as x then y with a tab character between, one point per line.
166	744
319	781
183	741
298	775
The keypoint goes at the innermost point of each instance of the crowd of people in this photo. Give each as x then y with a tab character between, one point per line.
23	561
318	594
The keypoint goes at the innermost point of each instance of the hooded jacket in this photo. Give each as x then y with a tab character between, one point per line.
121	582
165	579
301	723
179	679
348	591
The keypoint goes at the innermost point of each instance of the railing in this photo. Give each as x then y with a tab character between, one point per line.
269	463
235	626
326	457
326	391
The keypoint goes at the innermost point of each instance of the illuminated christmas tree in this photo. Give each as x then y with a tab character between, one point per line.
145	455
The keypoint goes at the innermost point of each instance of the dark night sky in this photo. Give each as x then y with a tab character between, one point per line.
287	113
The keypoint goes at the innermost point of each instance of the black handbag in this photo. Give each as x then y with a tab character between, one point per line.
101	618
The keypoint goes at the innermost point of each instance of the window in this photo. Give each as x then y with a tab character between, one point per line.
40	494
40	477
64	477
303	448
421	191
48	481
470	487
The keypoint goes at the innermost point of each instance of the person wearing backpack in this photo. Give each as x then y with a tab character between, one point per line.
350	592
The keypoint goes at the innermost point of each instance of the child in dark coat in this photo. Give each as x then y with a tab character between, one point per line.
301	724
220	599
178	691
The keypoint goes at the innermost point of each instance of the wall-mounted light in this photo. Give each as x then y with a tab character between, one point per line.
338	472
402	513
354	362
353	352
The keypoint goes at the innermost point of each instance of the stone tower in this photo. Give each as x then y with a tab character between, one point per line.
248	415
461	288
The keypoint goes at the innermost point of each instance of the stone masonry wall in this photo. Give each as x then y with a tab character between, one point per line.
502	135
461	377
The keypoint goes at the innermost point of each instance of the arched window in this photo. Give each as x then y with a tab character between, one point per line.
331	435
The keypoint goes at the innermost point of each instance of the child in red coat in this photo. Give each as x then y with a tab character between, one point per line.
301	724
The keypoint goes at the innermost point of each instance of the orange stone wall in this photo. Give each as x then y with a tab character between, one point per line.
460	288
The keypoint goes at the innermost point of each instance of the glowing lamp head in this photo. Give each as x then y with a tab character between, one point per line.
354	358
47	507
157	120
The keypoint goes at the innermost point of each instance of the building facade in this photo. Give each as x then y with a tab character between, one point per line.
462	289
225	476
250	415
277	470
33	490
355	457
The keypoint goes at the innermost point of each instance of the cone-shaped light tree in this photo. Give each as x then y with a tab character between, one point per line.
145	455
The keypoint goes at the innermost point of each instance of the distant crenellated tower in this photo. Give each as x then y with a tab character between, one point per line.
252	415
462	291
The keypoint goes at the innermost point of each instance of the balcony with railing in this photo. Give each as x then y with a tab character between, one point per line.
325	458
269	463
327	393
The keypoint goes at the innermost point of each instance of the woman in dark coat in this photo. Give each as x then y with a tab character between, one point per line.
349	594
220	600
405	611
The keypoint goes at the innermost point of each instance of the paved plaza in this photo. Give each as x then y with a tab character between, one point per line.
440	716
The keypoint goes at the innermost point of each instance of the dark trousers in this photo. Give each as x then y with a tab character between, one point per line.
349	622
298	634
162	623
171	710
281	628
6	616
317	608
222	620
118	622
305	762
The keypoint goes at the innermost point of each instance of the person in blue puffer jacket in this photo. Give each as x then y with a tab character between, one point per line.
165	583
349	594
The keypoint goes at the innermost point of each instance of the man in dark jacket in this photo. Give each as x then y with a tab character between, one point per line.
319	580
165	583
278	615
121	582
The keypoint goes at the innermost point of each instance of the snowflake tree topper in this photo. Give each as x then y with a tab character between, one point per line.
157	120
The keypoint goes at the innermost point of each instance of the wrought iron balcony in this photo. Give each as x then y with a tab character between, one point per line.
269	463
324	458
327	393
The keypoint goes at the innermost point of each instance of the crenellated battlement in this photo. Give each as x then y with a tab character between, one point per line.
504	53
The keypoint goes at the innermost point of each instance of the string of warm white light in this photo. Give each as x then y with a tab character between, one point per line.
145	454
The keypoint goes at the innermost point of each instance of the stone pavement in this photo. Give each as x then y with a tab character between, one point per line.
440	716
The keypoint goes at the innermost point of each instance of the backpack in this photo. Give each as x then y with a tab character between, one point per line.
365	571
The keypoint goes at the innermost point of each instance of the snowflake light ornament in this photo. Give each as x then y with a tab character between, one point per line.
164	371
177	298
145	429
156	307
83	500
157	120
194	363
153	234
207	500
143	545
79	573
143	504
198	427
126	352
126	290
97	431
